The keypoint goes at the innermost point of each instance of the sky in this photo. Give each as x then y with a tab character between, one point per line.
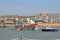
29	7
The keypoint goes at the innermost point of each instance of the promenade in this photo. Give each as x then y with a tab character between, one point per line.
46	24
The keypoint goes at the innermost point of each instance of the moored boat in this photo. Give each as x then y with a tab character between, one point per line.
2	26
48	29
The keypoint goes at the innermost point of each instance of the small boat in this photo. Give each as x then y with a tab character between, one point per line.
48	29
2	26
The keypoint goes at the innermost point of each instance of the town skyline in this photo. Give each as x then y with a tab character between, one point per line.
28	15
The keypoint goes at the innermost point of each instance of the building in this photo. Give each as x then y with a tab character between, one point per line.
54	17
49	17
9	20
43	16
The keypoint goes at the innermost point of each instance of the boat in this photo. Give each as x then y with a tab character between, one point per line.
49	29
2	26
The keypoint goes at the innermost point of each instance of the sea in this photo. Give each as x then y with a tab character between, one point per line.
10	33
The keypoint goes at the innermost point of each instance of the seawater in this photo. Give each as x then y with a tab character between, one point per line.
10	33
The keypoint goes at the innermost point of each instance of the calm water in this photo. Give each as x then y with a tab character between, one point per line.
9	33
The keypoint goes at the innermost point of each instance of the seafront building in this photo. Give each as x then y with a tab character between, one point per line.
12	19
54	17
49	17
44	17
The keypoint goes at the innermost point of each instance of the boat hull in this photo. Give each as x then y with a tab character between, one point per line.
49	30
2	26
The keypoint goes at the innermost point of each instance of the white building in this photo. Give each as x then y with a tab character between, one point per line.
43	17
54	17
49	17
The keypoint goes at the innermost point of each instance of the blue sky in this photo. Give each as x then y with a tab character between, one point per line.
29	7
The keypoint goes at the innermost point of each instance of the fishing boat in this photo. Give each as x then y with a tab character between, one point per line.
49	29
